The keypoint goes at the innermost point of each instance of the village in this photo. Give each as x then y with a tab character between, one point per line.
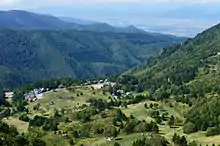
118	94
37	94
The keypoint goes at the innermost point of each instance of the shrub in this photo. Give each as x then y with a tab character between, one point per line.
189	128
24	118
213	131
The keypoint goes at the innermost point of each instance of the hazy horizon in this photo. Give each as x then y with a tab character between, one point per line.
180	17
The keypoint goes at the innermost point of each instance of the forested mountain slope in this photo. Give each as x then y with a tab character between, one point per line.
188	73
29	55
17	19
194	63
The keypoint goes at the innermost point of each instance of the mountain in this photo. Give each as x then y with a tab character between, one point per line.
194	63
77	21
187	73
192	66
17	19
104	27
26	20
29	55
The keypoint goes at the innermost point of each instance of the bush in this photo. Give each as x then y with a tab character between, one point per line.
111	131
24	118
189	128
154	113
50	125
213	131
37	121
38	142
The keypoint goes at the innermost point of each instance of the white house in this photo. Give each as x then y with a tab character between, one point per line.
9	94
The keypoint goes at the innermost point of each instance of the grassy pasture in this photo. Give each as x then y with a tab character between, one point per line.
70	100
65	99
20	125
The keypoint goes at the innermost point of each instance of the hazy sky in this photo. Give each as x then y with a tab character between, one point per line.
179	17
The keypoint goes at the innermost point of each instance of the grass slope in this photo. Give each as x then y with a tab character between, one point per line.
70	102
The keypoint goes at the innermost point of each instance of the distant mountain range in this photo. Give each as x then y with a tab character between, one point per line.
77	21
17	19
35	46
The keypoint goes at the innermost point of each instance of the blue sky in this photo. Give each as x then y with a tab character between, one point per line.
179	17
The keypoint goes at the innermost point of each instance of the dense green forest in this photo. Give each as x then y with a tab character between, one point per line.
192	64
27	56
189	73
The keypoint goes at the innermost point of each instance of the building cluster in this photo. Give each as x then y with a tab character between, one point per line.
35	94
96	82
120	94
39	93
9	94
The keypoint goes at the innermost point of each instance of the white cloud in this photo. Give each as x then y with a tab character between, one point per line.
9	2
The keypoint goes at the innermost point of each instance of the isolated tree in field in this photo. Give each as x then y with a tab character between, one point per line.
111	131
156	105
158	120
171	121
154	113
164	116
183	141
180	141
175	138
146	105
24	118
71	141
75	134
120	115
154	127
151	105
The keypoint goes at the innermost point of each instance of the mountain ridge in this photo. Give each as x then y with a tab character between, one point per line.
20	19
72	53
184	64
